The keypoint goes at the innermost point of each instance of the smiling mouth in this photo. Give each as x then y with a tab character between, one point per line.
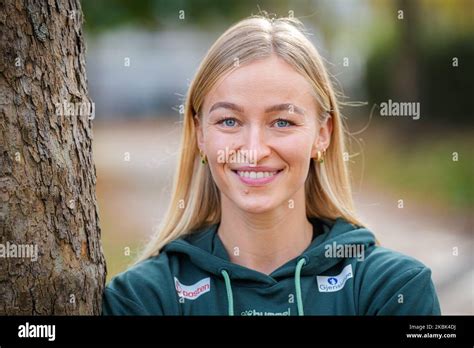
256	175
256	178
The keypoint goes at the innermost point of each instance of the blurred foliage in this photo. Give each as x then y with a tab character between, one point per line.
103	15
445	92
411	60
155	14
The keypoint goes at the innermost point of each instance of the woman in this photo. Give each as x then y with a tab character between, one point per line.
261	220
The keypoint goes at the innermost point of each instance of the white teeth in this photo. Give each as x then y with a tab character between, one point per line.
255	175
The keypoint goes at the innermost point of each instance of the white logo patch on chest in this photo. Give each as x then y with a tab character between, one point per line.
336	282
192	292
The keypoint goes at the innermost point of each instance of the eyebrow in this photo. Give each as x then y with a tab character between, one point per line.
286	107
226	105
278	107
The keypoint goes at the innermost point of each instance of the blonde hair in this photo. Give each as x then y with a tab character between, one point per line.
327	188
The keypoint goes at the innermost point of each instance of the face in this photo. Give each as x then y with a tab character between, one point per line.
259	130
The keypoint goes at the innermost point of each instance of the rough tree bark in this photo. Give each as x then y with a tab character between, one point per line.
47	174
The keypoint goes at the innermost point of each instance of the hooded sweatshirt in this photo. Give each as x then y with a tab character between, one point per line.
342	272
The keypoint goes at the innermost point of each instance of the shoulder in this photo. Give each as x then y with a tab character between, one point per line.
389	282
384	262
142	272
137	290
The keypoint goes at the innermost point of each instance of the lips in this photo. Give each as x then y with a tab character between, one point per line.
256	176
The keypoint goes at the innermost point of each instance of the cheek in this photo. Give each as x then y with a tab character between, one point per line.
217	144
296	150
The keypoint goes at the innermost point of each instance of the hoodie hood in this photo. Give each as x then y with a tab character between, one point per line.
205	250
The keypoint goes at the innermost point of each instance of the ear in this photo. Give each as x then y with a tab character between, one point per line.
324	137
199	133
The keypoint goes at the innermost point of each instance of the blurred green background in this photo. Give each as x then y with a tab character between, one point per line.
413	179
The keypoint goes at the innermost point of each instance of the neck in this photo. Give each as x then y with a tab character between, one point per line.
263	242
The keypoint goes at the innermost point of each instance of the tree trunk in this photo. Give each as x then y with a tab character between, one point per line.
47	174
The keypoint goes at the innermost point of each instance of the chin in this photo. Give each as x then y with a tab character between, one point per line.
256	206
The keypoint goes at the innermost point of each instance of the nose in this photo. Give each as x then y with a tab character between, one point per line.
256	143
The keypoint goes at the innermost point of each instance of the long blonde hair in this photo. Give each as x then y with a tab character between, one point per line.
195	200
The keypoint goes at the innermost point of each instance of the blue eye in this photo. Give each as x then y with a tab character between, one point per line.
228	122
281	123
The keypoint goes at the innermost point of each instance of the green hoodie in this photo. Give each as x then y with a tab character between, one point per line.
194	276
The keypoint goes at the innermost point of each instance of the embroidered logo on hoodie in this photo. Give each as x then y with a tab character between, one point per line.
334	283
192	292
